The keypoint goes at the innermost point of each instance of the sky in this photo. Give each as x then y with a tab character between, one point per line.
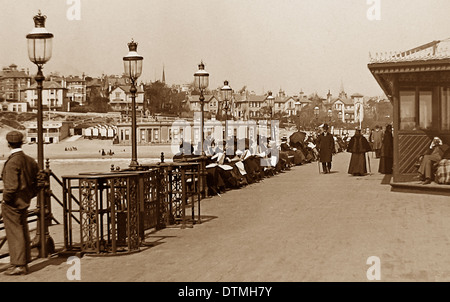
266	45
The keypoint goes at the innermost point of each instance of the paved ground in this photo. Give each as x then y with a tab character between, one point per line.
296	226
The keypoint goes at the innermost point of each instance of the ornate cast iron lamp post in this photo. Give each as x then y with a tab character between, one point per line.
226	97
201	78
271	105
40	51
132	64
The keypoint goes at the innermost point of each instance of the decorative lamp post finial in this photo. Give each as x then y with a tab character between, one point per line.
39	20
132	46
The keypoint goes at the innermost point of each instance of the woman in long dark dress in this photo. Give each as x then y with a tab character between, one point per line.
358	146
387	152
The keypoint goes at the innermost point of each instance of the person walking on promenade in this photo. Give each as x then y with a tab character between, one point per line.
358	146
377	139
20	180
325	145
387	152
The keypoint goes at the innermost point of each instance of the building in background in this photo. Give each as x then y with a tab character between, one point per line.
54	96
13	83
76	89
53	131
347	109
120	99
211	103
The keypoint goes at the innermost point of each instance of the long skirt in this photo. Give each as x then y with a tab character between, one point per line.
357	164
385	165
214	180
299	157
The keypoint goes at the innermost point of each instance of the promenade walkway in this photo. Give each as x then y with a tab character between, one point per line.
296	226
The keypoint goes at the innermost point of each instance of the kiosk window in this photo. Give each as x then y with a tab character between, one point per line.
425	109
445	108
407	110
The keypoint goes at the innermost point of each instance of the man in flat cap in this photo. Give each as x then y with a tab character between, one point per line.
19	176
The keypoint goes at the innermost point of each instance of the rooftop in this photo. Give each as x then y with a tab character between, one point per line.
436	50
12	72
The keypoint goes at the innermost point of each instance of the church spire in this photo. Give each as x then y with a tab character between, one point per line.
342	93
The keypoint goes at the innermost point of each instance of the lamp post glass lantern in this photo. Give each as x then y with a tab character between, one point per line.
39	42
201	81
132	64
316	113
271	103
201	78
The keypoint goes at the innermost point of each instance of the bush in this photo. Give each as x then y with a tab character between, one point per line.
80	109
26	116
12	123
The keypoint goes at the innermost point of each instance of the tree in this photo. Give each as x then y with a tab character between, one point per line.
100	104
315	99
266	111
160	98
378	113
93	94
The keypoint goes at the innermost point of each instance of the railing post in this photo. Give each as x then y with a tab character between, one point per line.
141	204
65	213
48	193
43	240
203	176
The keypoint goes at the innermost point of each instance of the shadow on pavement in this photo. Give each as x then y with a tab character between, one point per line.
386	179
55	261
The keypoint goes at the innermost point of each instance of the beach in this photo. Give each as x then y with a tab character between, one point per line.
78	147
84	148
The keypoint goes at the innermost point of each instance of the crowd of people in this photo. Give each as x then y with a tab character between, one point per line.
71	149
104	153
238	162
231	164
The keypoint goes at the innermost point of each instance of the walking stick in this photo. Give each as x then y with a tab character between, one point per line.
318	160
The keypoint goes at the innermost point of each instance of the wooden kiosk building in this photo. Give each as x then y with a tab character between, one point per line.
417	82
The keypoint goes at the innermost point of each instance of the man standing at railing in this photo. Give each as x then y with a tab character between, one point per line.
19	176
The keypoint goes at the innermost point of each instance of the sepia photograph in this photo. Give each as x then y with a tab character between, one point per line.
225	148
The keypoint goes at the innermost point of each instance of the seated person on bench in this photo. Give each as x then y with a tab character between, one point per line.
432	156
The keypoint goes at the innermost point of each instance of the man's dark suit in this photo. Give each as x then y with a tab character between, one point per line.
20	186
